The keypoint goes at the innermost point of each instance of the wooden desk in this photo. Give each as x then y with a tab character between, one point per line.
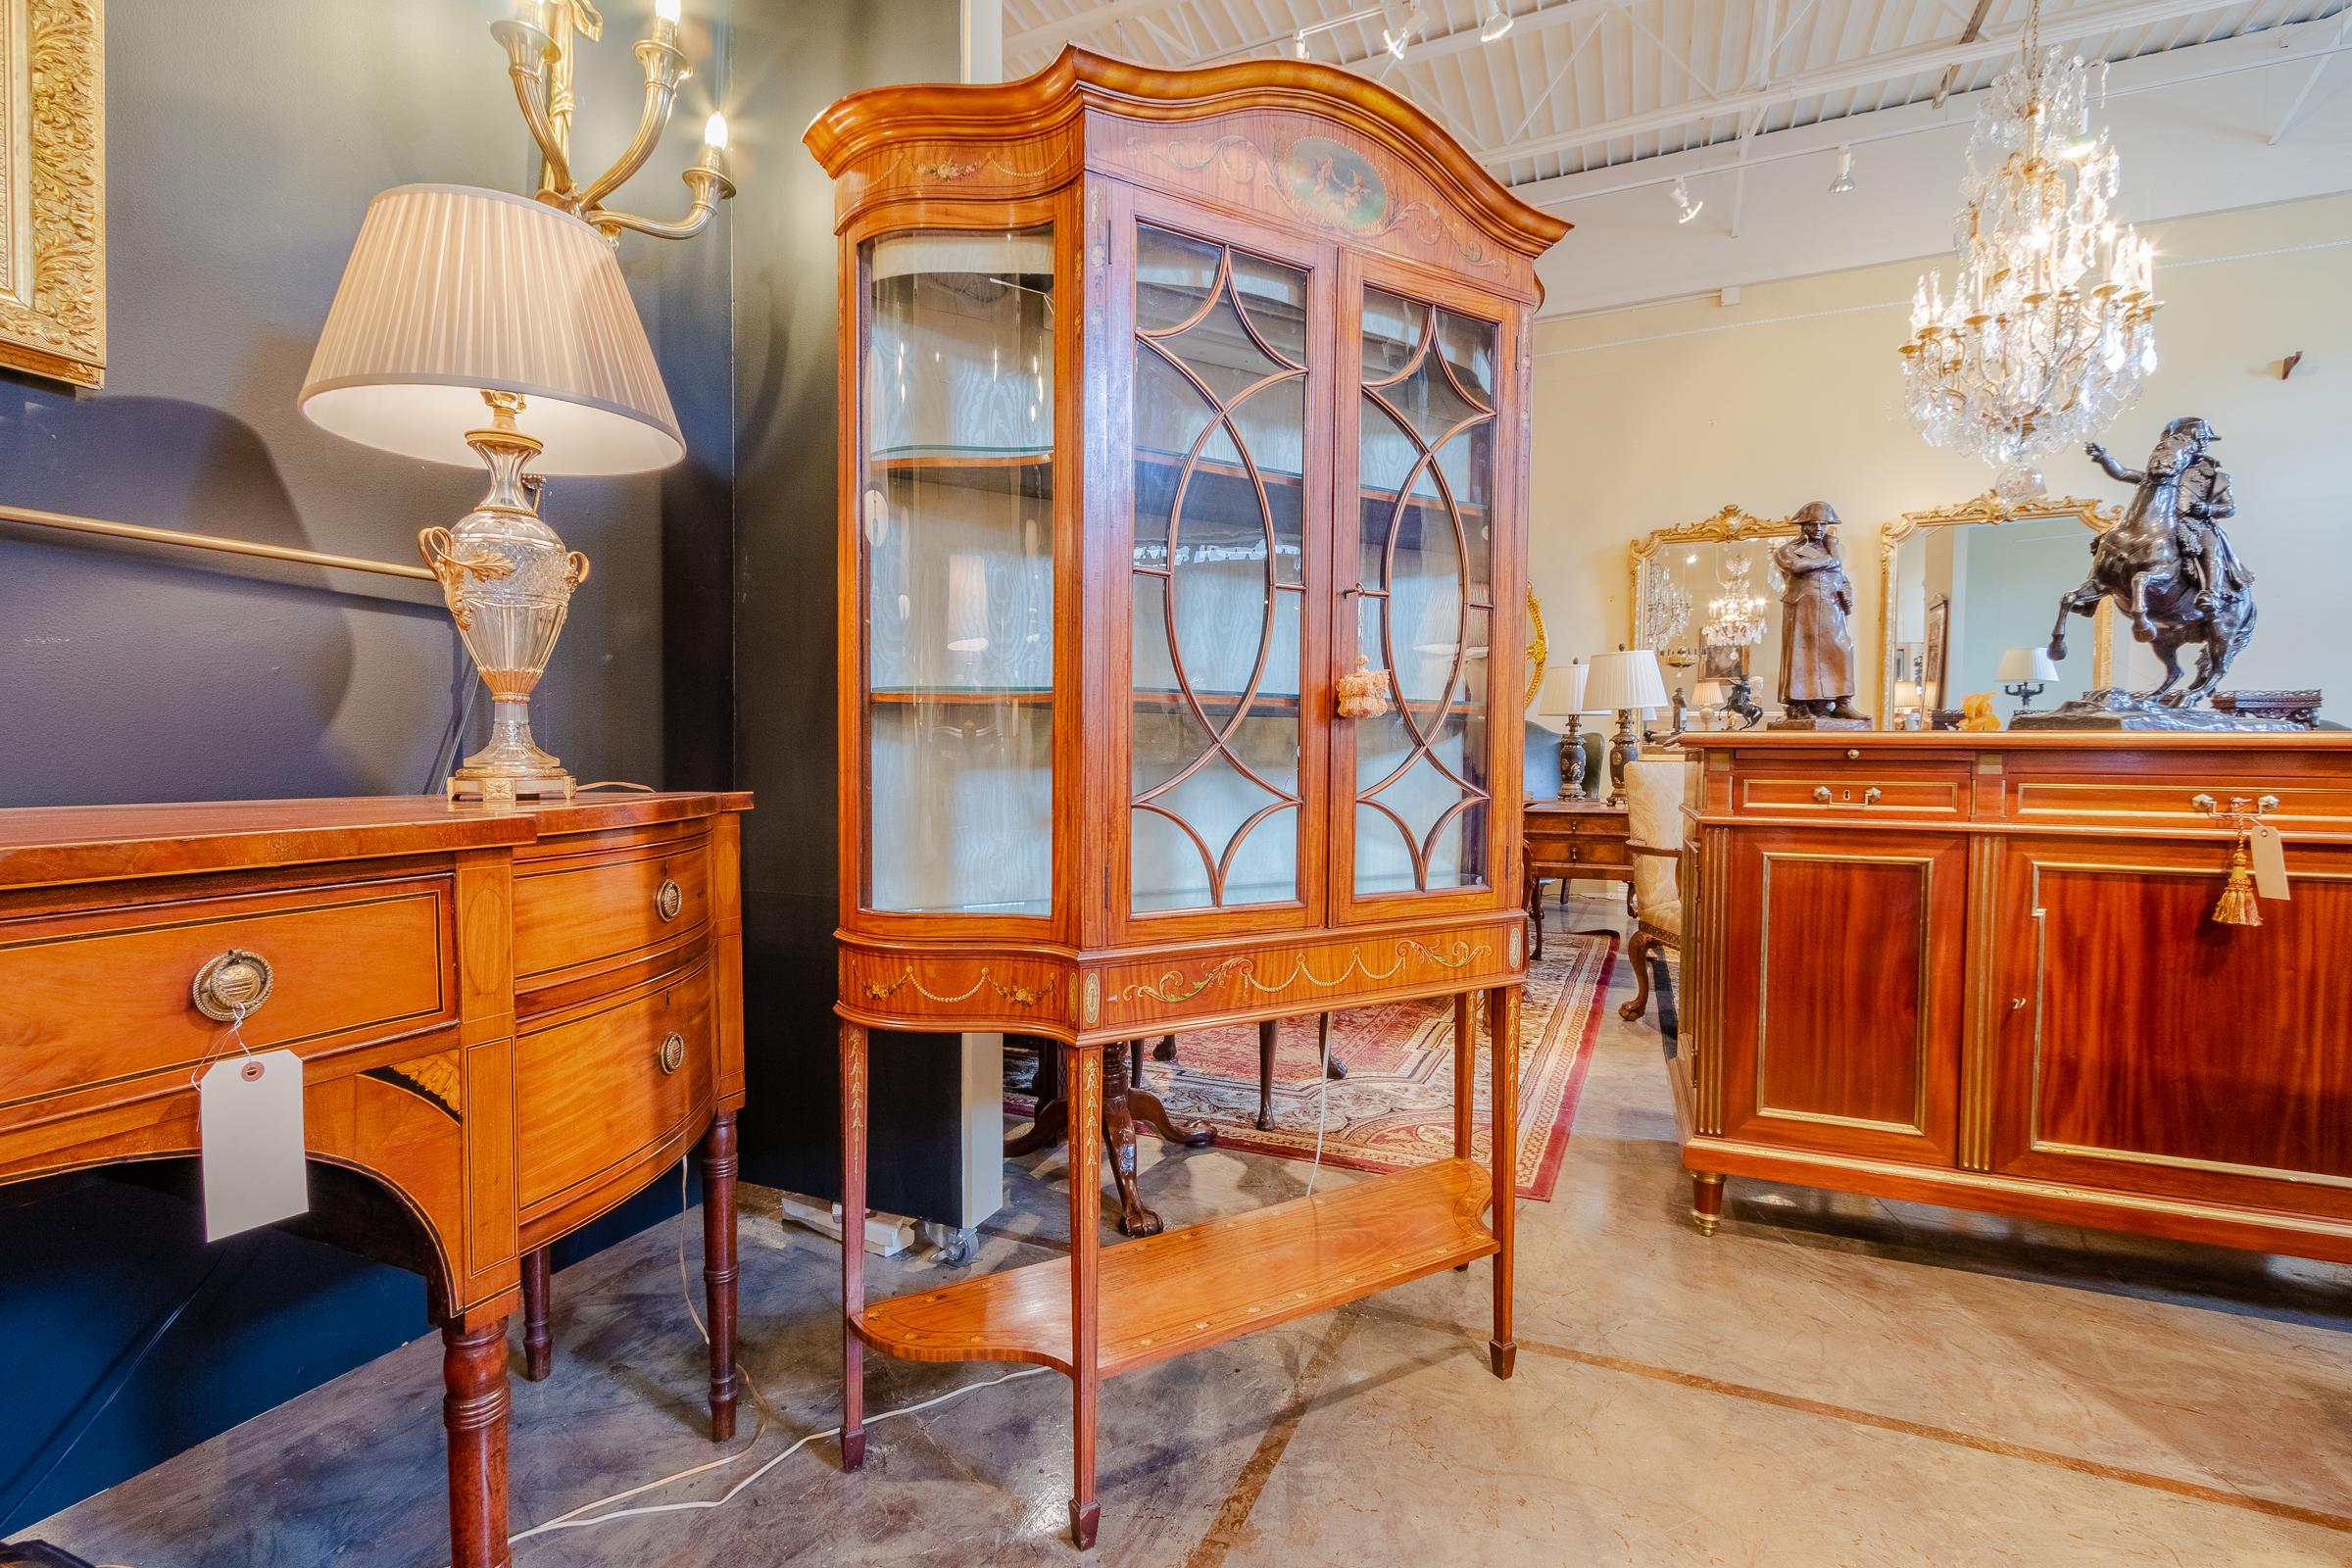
1568	839
510	1022
1982	970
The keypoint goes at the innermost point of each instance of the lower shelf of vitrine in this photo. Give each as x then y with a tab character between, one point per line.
1184	1289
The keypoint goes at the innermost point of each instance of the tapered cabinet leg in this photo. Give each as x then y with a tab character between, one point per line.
1503	1135
718	1268
473	1414
538	1340
853	1243
1083	1072
1706	1201
1267	1034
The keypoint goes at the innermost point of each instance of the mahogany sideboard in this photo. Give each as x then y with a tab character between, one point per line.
510	1022
1982	970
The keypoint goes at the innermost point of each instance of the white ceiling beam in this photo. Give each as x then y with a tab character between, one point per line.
1437	47
1051	35
1875	71
2318	68
2304	44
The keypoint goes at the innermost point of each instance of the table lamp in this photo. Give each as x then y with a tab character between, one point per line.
1709	698
1564	698
459	302
1907	704
1621	682
2025	673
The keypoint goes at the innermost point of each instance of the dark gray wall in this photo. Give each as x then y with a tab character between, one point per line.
244	140
791	63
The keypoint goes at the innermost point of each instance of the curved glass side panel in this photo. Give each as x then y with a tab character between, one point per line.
956	519
1218	575
1425	605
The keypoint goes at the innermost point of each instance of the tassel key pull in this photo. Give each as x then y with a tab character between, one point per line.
2239	905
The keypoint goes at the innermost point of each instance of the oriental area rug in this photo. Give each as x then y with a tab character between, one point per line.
1396	1108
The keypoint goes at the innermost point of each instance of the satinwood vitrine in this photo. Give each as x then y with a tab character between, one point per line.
1168	399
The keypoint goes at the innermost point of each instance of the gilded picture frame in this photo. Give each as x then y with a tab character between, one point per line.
1984	511
53	189
1725	526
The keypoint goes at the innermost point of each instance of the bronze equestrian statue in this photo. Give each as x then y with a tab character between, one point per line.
2169	565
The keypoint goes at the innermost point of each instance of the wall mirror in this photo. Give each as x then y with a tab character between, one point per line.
1706	596
1959	587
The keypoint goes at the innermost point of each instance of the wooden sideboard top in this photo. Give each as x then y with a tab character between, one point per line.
2037	740
46	844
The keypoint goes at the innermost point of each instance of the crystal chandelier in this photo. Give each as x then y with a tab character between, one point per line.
1666	612
2049	329
1736	616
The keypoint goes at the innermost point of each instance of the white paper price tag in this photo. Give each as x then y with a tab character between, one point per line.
2270	862
249	1116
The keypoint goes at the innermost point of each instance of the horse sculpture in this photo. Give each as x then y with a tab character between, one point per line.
2169	566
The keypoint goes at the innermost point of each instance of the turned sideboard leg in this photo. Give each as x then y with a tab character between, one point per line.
1082	1072
473	1414
718	1268
1706	1201
853	1243
538	1341
1502	1133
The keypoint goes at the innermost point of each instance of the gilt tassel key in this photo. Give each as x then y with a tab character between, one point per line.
2238	903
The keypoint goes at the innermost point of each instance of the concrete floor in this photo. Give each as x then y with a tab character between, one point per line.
1828	1380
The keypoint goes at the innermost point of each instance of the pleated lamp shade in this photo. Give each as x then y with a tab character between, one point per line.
453	292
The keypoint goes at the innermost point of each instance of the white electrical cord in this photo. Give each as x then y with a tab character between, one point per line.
1322	1107
573	1519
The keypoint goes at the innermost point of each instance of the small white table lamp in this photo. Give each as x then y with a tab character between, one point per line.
1563	697
1621	682
2024	673
1907	704
1708	698
459	302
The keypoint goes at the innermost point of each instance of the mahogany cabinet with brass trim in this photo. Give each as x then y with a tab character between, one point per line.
510	1022
1170	398
1997	983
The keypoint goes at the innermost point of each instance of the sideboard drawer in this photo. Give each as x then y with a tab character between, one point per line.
1840	794
599	1090
2171	803
590	907
108	995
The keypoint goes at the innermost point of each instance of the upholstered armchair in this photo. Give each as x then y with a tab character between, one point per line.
1653	795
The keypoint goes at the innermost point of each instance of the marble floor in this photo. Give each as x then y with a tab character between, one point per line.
1827	1381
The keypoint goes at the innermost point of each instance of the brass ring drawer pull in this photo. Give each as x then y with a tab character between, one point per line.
672	1055
668	898
233	985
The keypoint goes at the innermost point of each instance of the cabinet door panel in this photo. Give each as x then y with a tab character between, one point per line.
2147	1044
1226	347
1422	545
1843	996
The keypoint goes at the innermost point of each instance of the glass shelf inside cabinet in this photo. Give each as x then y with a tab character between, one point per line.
1218	575
956	550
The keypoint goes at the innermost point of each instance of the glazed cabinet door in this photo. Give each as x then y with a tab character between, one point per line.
1842	991
957	565
2141	1044
1219	340
1427	559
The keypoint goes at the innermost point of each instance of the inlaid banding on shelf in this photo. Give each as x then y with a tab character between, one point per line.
1175	987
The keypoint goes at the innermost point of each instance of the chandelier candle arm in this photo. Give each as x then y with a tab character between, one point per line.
529	53
664	69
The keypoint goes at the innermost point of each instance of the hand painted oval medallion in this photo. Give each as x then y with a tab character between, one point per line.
1334	183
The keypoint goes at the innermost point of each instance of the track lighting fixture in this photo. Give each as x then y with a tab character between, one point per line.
1299	44
1681	199
1498	22
1845	173
1398	34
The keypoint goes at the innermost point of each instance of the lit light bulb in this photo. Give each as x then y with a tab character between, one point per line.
714	131
666	11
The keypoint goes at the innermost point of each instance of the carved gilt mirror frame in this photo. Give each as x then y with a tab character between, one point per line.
1988	509
1726	527
53	189
1539	649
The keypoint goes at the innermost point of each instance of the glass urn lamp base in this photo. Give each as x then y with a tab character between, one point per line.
508	583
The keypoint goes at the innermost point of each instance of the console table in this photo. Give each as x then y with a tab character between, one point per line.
1982	970
510	1022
